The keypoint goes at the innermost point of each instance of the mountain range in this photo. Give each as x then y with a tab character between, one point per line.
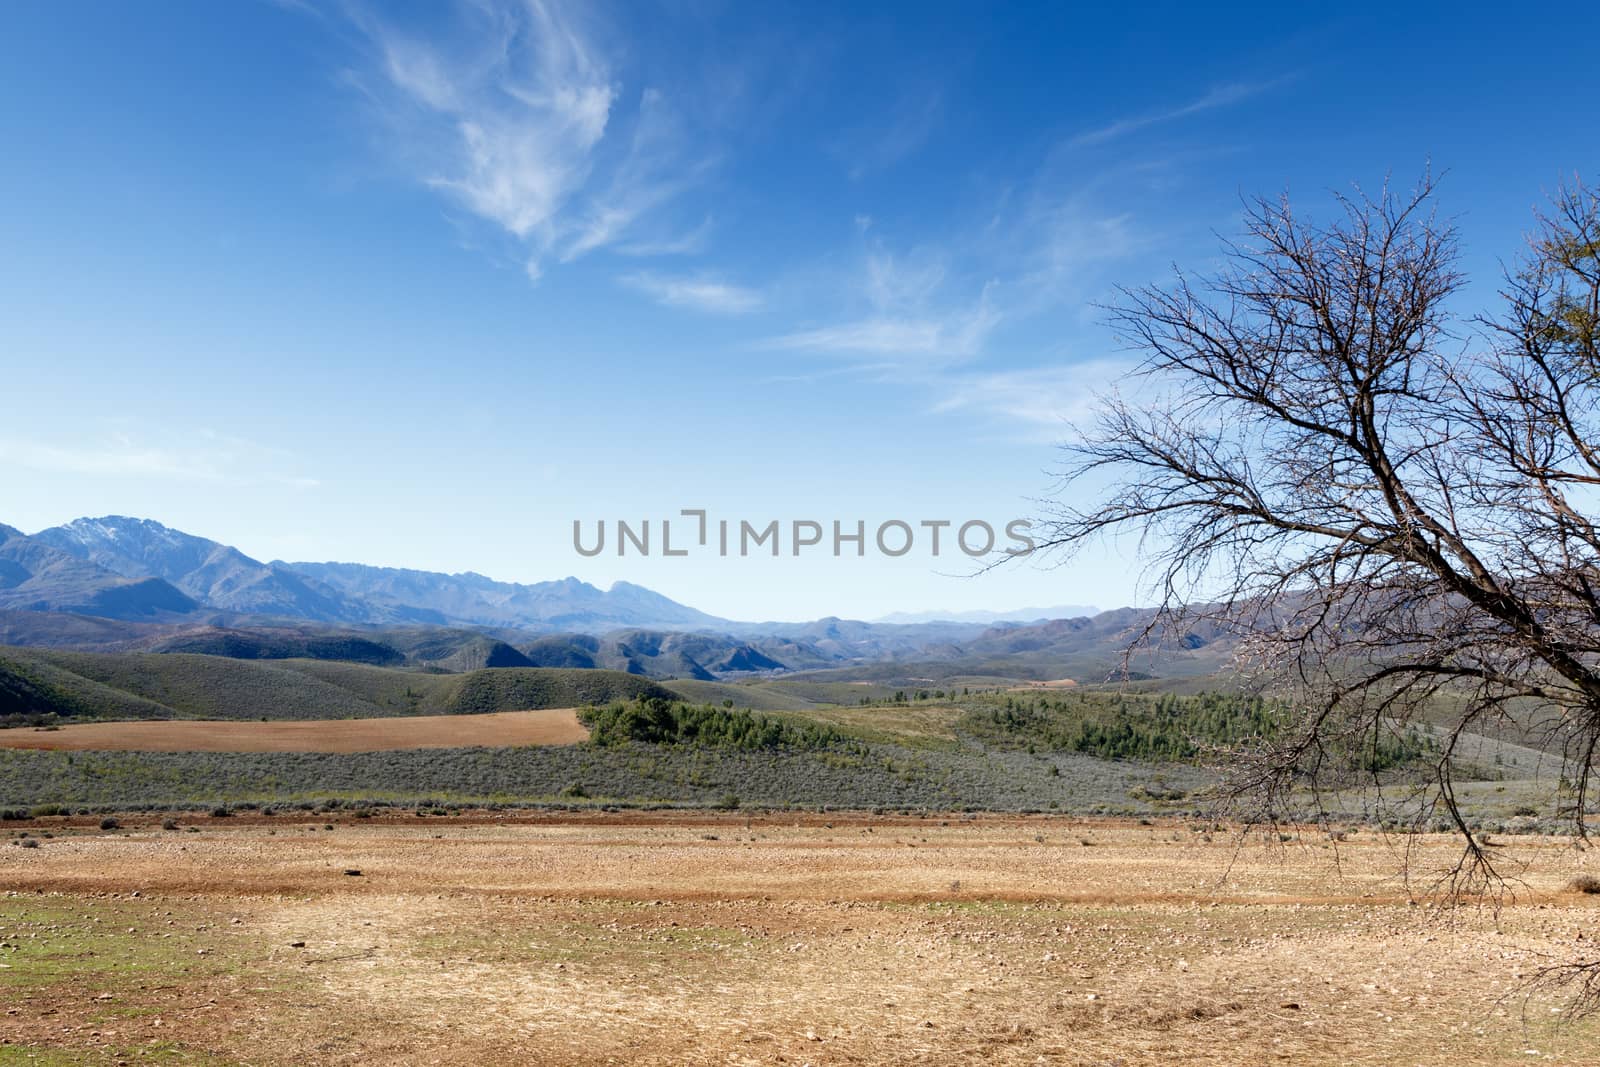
36	576
129	568
118	584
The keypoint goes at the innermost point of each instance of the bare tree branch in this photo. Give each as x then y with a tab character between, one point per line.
1393	507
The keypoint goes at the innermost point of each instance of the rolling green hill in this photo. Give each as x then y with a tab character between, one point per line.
40	683
30	688
754	697
246	644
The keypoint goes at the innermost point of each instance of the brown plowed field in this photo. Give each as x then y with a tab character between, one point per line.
550	726
672	938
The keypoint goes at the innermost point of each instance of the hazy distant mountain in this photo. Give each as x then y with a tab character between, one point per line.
220	577
37	576
180	592
804	644
1061	611
470	598
215	575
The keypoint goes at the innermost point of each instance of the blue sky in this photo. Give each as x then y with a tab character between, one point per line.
419	285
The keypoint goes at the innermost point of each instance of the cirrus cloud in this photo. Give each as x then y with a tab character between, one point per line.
697	292
518	115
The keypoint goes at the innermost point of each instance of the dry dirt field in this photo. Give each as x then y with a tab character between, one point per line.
667	938
550	726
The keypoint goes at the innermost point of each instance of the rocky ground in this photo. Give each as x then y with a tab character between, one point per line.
670	937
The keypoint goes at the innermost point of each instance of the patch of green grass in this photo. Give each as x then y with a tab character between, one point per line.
914	725
55	941
825	692
749	695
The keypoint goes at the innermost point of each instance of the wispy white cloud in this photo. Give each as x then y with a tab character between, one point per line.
968	324
204	456
654	171
700	293
669	243
1042	246
957	336
911	311
1047	399
112	459
521	118
1220	96
879	145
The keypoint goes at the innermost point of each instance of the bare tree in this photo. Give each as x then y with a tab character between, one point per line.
1393	505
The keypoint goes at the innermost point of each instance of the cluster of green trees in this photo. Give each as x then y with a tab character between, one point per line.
653	721
905	696
1162	728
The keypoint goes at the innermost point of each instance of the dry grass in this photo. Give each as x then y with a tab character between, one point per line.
667	938
1052	683
551	726
904	724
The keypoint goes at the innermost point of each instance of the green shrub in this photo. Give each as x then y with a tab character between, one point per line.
1165	728
653	721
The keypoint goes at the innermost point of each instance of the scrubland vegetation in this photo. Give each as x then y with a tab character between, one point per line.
1079	751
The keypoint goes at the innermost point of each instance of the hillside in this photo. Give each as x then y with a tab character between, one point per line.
658	654
36	683
1088	650
33	688
87	633
247	644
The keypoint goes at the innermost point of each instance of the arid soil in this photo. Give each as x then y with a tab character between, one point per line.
550	726
665	938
